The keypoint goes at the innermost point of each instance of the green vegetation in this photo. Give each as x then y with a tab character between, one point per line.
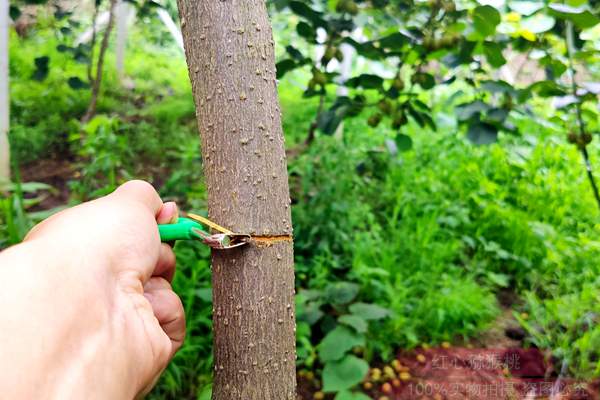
393	249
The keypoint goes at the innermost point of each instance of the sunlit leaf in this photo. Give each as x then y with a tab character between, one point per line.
337	342
340	292
343	374
580	16
485	20
354	321
538	23
369	311
468	110
526	7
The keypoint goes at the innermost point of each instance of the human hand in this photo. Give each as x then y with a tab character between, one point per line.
92	313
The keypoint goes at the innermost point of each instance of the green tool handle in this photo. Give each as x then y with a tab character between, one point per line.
183	229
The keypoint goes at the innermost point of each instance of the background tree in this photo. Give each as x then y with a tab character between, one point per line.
230	55
423	45
4	101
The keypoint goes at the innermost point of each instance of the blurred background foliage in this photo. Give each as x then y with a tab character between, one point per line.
441	161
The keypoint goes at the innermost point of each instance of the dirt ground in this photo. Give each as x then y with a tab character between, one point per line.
460	373
494	366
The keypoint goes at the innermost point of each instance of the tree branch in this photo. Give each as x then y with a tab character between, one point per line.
582	146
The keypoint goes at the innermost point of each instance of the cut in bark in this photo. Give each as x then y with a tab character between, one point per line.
230	55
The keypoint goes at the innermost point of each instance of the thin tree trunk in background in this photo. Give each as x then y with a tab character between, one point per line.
91	111
584	153
90	65
122	11
171	27
230	55
4	96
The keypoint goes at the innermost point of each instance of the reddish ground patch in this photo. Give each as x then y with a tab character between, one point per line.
464	373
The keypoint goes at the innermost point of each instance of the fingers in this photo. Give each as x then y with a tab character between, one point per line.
165	266
168	213
168	310
141	192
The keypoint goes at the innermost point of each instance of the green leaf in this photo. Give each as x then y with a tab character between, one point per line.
354	321
365	49
580	16
469	110
493	53
369	311
348	395
205	393
14	12
498	86
501	280
403	142
284	66
464	56
303	10
329	121
204	294
311	313
526	7
497	115
425	80
395	41
41	68
482	133
343	374
77	84
306	31
63	48
547	89
367	81
485	20
337	342
341	292
294	53
557	68
539	23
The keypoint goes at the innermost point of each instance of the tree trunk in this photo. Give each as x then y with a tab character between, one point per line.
96	83
230	56
4	99
122	12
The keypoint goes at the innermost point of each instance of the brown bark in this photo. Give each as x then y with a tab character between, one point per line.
91	110
230	56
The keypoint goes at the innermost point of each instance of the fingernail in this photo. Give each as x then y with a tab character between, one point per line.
173	211
168	213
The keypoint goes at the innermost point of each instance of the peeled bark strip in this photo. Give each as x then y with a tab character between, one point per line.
230	56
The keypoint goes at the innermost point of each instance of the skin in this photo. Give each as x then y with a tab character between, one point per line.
87	309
